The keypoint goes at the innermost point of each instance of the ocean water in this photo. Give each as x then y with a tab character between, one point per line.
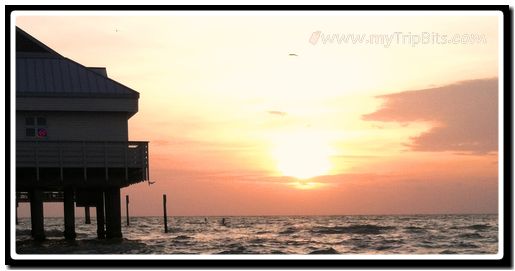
417	234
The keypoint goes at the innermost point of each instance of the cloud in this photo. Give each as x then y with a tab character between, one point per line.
277	113
464	116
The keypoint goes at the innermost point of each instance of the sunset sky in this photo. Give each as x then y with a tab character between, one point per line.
238	126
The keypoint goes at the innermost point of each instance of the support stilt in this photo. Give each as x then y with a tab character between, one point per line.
87	215
113	213
36	214
69	213
165	216
127	209
100	216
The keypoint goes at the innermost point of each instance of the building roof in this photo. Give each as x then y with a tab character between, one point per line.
42	72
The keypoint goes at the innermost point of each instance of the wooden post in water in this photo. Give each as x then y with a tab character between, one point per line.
113	212
36	214
87	215
100	215
165	216
69	213
127	208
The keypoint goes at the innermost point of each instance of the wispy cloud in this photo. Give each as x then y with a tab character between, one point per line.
464	116
277	113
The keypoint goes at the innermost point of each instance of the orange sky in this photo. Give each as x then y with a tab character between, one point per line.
356	128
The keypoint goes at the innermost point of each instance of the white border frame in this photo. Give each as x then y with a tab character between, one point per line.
499	15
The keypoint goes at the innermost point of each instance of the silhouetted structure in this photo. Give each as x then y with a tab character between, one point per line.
72	138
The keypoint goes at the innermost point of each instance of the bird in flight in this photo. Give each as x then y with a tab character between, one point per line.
150	182
291	54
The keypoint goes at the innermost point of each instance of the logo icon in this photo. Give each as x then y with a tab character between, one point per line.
314	37
42	132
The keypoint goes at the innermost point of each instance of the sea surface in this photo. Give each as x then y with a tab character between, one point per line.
415	234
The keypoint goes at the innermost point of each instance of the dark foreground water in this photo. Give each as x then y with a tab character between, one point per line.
419	234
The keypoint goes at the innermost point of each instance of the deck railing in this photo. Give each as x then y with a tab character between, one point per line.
48	196
82	154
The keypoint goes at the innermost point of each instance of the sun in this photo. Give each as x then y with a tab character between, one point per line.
302	156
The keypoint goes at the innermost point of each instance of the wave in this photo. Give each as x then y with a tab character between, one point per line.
448	251
478	227
93	246
385	247
325	251
258	241
48	233
353	229
414	229
23	232
54	233
289	230
426	244
470	235
465	245
235	250
182	237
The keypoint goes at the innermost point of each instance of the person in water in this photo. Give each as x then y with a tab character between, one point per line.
223	221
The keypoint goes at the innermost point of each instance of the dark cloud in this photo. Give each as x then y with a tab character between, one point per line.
278	113
465	116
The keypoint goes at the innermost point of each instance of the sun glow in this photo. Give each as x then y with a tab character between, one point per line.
306	185
302	156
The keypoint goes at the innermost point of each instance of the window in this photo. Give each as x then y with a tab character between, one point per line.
30	132
36	127
29	121
41	121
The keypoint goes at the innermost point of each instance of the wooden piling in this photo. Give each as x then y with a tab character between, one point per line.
100	216
127	208
36	214
113	213
165	216
87	215
69	213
